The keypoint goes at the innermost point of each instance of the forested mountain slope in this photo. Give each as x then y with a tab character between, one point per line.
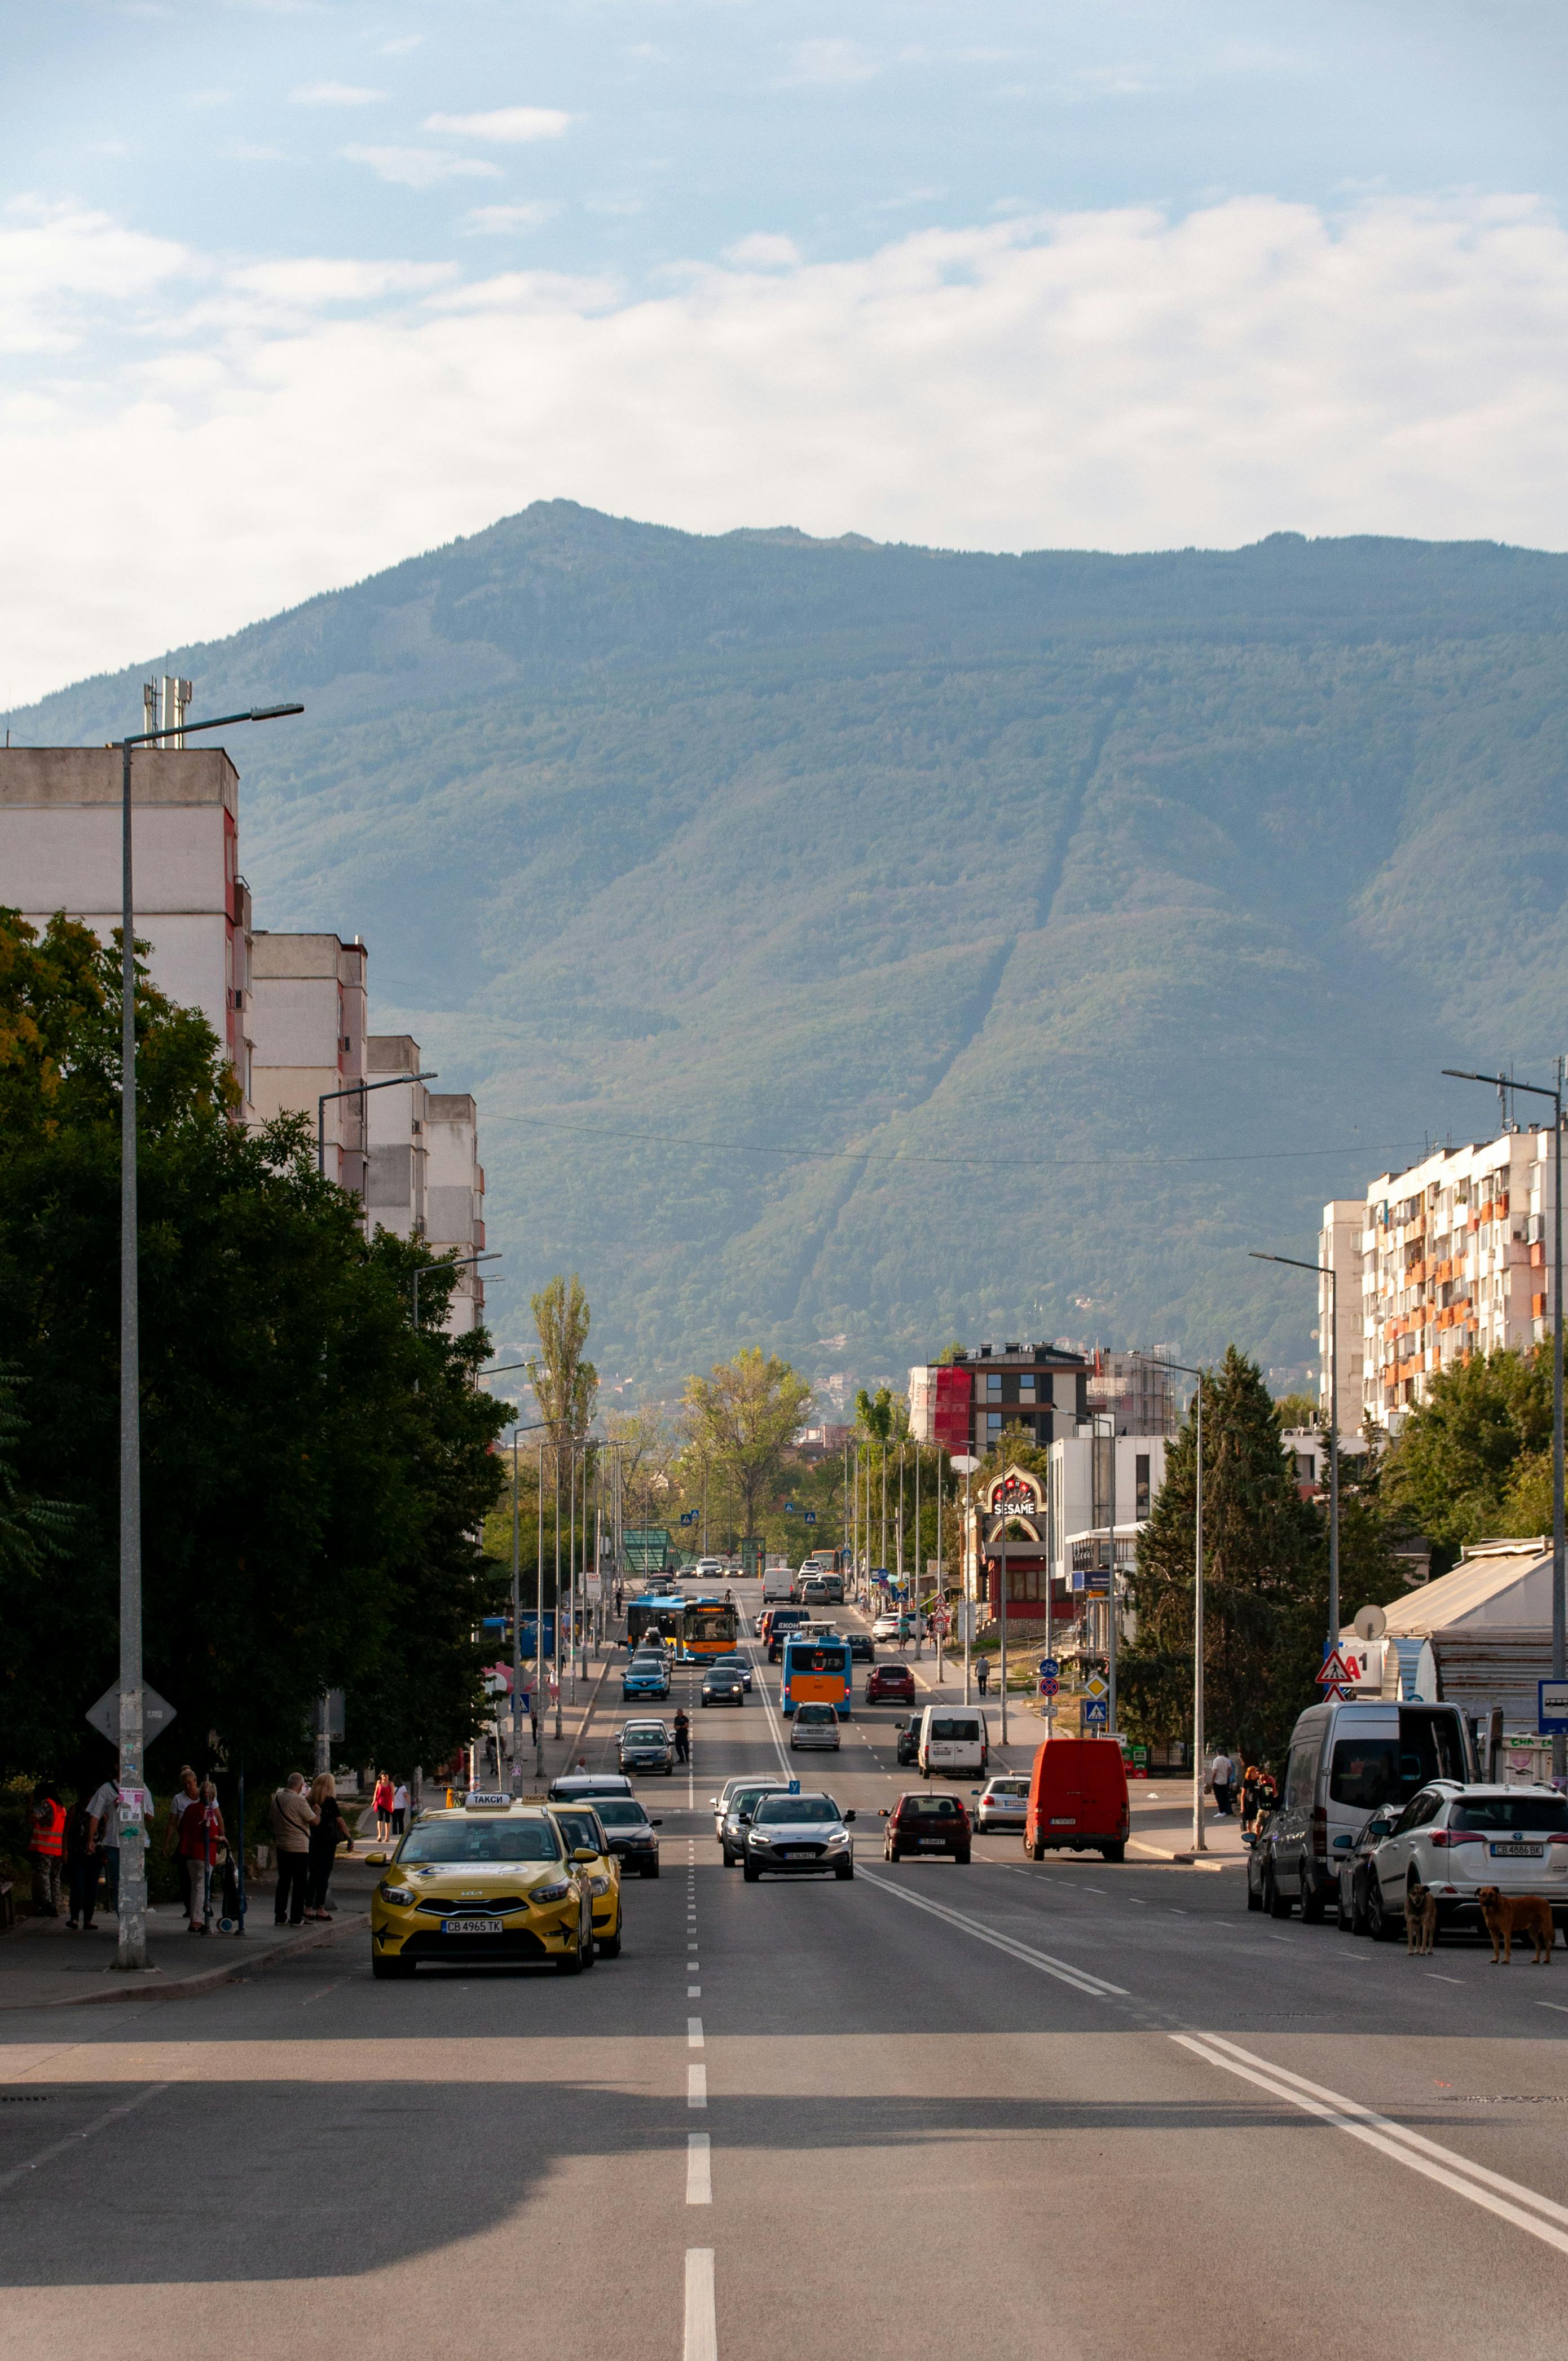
1074	922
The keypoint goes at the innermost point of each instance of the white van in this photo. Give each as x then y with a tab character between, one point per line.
953	1741
1346	1760
776	1584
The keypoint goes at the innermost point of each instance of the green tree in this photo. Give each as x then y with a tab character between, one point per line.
742	1420
313	1469
1452	1471
566	1384
1265	1579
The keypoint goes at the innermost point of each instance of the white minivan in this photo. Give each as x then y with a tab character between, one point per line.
953	1741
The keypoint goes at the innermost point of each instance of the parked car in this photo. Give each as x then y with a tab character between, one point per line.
1457	1840
1347	1759
890	1682
814	1725
908	1747
885	1628
1078	1798
926	1824
1002	1804
1354	1871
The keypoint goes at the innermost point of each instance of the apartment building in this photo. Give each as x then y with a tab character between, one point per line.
1339	1328
454	1197
1035	1391
1454	1258
59	850
308	1016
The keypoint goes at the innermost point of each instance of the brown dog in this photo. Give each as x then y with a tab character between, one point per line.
1502	1913
1421	1918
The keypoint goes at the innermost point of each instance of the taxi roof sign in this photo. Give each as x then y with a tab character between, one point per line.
477	1796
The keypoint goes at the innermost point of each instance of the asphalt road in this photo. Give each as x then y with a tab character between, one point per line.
1053	2110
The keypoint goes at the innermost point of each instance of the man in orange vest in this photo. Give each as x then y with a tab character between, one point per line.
46	1844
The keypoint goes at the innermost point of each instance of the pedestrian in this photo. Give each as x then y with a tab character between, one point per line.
382	1800
1267	1792
184	1796
103	1805
201	1841
46	1848
683	1736
533	1703
399	1807
1249	1793
330	1831
85	1866
293	1816
982	1675
1222	1777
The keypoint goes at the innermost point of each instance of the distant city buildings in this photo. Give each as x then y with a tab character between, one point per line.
291	1011
1451	1257
1035	1391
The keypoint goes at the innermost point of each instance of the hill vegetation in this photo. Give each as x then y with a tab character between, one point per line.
886	944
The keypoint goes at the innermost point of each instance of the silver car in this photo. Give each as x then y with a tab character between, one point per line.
723	1804
1003	1804
798	1836
744	1796
815	1725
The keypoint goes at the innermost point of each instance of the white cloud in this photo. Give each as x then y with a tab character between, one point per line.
421	168
1113	380
764	251
335	93
315	280
401	47
506	221
507	127
63	267
830	61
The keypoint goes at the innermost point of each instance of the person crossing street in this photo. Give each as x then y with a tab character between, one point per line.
683	1736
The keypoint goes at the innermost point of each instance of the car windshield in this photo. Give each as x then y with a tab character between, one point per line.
1508	1813
621	1812
478	1840
795	1810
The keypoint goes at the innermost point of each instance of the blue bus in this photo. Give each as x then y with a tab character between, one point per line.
663	1613
819	1671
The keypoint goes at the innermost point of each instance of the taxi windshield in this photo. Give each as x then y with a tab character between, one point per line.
478	1840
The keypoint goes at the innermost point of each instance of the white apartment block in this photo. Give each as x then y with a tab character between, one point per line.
1339	1250
454	1198
59	850
1454	1257
309	1019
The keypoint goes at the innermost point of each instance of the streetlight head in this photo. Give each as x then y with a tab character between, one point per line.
272	712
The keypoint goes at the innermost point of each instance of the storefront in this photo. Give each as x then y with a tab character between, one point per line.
1018	1498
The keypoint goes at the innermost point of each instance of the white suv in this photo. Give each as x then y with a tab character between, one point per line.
1456	1840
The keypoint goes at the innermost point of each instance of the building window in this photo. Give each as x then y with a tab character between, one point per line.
993	1386
993	1421
1141	1484
1026	1388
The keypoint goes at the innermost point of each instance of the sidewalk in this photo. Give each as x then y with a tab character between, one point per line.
44	1965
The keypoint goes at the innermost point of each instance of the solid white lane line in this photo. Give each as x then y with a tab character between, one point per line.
702	2326
1096	1986
696	2086
699	2169
99	2123
693	2033
1413	2150
1556	2005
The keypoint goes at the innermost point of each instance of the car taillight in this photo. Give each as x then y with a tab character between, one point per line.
1442	1839
1559	1837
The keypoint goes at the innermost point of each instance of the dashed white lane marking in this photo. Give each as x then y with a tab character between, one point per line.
693	2033
696	2086
1556	2005
699	2169
702	2326
1096	1986
1507	2199
1443	1980
693	1992
99	2123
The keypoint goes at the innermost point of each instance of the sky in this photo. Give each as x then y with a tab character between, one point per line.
292	289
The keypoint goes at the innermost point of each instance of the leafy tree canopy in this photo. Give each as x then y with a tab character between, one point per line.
1469	1462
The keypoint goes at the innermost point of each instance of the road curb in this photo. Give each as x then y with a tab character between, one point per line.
184	1987
1185	1860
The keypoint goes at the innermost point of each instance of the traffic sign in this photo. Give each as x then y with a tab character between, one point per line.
157	1713
1048	1668
1551	1708
1096	1713
1049	1687
810	1517
1336	1673
1097	1688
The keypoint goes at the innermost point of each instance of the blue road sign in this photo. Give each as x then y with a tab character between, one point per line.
689	1517
1551	1708
1096	1712
810	1517
1048	1668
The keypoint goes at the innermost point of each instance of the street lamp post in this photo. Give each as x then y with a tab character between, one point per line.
1111	1721
356	1091
1559	1582
1326	1270
131	1949
1182	1369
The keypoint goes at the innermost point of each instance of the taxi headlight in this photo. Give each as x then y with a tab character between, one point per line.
544	1893
403	1895
598	1885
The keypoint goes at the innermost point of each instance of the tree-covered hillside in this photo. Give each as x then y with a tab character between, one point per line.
892	944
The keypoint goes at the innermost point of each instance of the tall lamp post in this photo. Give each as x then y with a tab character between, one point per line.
1559	1584
131	1952
1326	1270
1182	1369
356	1091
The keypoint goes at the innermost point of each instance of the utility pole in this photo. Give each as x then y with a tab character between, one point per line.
1002	1596
1181	1368
539	1635
556	1651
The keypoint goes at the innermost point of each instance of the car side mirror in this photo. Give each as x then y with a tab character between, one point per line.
849	1816
376	1859
1247	1837
882	1814
713	1803
655	1824
584	1852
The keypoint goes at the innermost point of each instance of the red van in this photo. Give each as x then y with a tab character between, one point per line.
1078	1797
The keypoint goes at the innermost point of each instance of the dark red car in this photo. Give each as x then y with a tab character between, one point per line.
924	1823
895	1682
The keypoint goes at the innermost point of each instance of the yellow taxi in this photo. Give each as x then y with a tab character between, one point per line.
581	1831
489	1879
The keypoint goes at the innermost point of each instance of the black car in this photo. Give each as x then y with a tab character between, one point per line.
862	1647
908	1740
629	1832
1356	1870
722	1686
